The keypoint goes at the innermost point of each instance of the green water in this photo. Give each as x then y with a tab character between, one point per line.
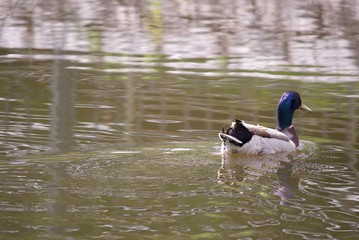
110	113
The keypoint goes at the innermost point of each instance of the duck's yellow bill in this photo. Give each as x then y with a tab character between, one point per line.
305	108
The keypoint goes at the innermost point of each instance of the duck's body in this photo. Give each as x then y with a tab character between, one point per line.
254	139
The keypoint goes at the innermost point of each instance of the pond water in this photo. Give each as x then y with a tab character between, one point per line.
110	112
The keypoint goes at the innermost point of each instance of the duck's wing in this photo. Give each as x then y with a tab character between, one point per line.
264	131
241	133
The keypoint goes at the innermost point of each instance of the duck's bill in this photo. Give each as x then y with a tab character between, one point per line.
305	108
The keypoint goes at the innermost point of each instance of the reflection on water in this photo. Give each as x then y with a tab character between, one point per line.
172	191
302	184
143	72
237	170
307	38
288	184
110	112
62	108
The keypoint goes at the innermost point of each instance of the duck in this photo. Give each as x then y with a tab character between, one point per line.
242	137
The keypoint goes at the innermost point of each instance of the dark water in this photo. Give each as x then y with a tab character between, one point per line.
110	112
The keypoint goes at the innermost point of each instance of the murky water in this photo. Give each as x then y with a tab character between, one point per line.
110	113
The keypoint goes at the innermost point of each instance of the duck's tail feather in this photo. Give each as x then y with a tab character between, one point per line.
231	139
237	134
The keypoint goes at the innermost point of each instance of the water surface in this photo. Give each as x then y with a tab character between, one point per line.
110	113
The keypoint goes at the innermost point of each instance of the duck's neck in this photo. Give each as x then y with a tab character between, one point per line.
284	117
285	125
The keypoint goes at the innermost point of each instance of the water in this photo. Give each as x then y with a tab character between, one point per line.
110	112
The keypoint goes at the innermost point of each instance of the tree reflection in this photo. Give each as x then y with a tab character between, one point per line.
62	108
149	52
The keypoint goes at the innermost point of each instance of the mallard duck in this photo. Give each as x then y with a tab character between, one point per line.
255	139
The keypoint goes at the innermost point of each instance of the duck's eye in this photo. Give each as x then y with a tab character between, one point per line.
296	103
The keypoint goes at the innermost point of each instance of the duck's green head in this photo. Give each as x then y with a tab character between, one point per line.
288	103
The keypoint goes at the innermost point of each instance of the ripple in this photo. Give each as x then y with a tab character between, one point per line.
292	217
163	121
340	220
180	229
93	106
267	222
232	226
307	234
126	152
